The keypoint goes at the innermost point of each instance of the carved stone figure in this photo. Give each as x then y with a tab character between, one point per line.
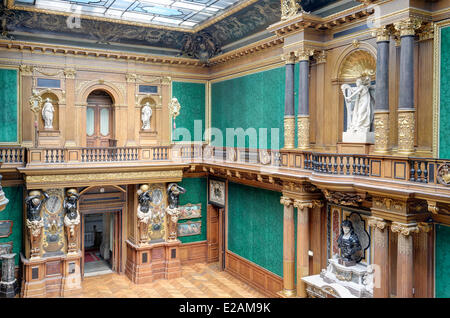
47	114
173	191
34	221
359	105
349	244
146	116
71	219
202	46
290	8
144	212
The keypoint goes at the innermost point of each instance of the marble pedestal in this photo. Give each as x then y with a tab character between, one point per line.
341	281
8	284
355	137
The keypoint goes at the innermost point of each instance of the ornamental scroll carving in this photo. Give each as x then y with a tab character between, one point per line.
443	174
342	198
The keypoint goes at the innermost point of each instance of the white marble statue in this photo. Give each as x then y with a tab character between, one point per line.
359	103
47	114
146	115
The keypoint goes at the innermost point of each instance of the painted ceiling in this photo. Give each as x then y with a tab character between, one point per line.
44	24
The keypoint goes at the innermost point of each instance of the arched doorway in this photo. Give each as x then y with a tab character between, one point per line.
99	120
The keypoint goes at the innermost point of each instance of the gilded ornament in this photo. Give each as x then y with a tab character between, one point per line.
342	198
404	229
289	58
302	204
443	174
303	132
378	223
289	132
304	54
381	125
382	34
286	201
432	207
320	57
290	8
406	128
358	64
407	27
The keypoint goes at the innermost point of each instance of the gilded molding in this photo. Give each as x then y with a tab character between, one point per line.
378	223
382	34
407	27
289	132
303	132
286	201
381	125
406	131
404	229
26	70
70	73
388	204
89	177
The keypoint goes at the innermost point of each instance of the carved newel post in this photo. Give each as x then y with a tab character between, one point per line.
71	220
173	192
34	222
8	285
144	213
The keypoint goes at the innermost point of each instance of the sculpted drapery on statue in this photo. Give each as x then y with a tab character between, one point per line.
71	219
47	114
146	116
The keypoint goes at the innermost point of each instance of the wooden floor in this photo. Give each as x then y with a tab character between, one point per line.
198	280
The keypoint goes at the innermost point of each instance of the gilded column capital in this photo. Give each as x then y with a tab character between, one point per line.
166	80
289	58
378	223
302	204
317	203
425	227
70	73
285	201
407	27
26	70
382	34
404	229
320	56
131	78
304	54
427	32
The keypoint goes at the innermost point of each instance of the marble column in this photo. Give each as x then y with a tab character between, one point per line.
405	265
302	244
381	257
289	114
8	284
381	116
288	248
303	99
406	110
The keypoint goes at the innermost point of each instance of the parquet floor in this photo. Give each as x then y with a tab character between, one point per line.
198	280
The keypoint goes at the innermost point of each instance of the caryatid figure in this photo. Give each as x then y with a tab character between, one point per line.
173	192
71	219
34	222
144	212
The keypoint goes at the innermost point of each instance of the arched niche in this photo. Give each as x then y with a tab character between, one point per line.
55	100
117	95
153	102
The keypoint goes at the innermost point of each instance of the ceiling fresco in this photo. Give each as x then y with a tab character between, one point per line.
204	44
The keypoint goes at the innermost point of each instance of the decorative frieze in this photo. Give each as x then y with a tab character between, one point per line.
388	204
343	198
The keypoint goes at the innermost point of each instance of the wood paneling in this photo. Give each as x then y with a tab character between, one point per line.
254	275
196	252
213	233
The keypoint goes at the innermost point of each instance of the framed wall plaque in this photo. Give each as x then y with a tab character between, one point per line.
216	192
189	228
5	228
190	211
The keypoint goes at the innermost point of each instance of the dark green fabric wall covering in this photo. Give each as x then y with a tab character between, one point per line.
442	275
8	105
13	212
444	124
192	97
195	193
251	101
255	226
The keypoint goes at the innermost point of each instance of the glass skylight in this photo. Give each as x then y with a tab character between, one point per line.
177	13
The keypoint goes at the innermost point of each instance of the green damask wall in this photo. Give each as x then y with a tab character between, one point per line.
13	212
444	124
442	257
192	97
8	105
195	193
255	226
255	100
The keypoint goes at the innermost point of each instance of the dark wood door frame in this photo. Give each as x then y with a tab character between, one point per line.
222	238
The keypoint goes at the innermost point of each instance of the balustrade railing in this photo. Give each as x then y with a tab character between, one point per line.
342	164
12	155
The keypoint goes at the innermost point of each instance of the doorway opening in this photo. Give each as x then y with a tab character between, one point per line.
99	120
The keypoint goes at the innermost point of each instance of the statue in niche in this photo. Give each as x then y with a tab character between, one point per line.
146	116
71	219
348	243
47	114
173	191
34	222
359	103
144	212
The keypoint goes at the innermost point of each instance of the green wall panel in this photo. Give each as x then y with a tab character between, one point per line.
444	124
195	193
8	105
442	272
13	212
255	226
251	101
192	97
